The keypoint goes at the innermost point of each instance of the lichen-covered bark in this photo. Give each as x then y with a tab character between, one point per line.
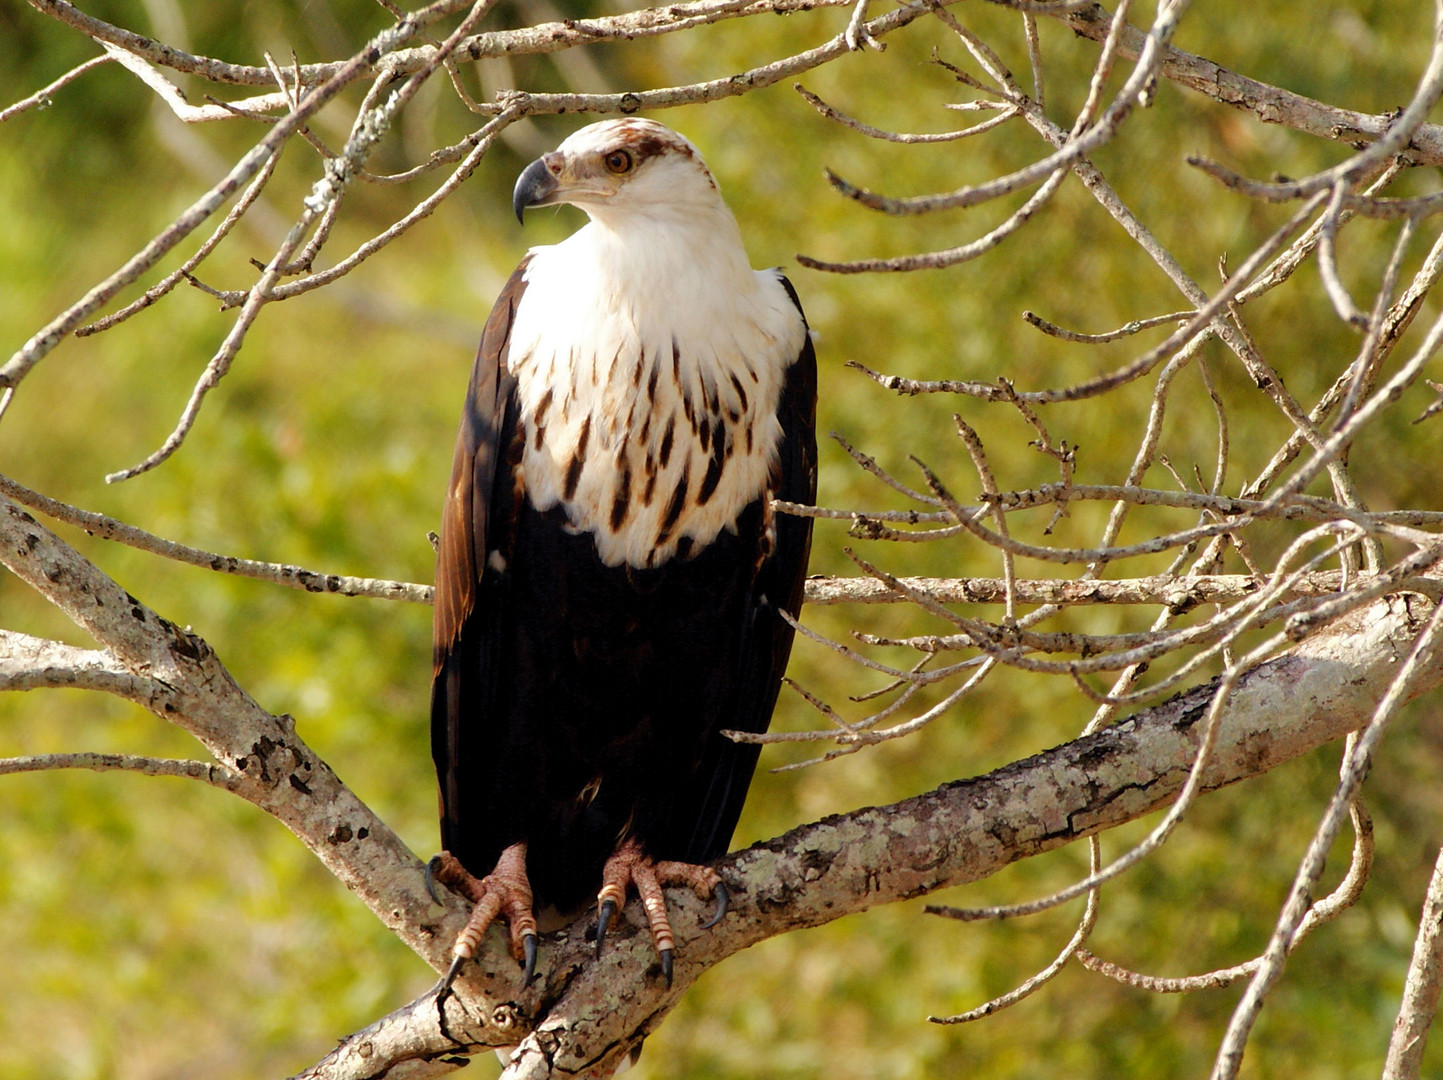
588	1013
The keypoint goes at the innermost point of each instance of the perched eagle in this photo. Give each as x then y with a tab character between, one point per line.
611	577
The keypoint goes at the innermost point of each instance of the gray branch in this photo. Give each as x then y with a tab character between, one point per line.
176	675
584	1015
1270	104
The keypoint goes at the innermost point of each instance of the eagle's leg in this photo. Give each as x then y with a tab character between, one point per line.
506	891
629	865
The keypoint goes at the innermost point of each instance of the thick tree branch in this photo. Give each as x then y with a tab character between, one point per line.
185	683
587	1013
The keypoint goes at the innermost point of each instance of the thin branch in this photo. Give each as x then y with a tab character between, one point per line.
43	341
540	38
1356	765
937	260
42	98
295	577
1179	593
208	772
1270	104
184	272
842	118
1134	327
1420	992
340	170
1169	12
1324	911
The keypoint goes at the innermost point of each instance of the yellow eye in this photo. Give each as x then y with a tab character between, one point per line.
619	162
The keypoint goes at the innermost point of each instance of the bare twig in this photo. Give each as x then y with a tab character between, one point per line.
41	99
1420	992
294	577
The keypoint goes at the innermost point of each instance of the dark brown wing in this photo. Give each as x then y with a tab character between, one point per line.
727	767
467	523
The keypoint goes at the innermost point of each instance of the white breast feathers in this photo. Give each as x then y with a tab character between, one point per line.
649	370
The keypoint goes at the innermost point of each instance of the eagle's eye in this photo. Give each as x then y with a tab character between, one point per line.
619	162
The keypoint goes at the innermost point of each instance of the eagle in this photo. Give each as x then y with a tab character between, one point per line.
613	583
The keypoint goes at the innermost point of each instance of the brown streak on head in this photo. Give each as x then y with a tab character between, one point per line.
647	139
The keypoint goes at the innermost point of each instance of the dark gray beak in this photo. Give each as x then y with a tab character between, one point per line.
534	187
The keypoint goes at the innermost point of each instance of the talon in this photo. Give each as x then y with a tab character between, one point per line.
504	893
451	972
528	966
603	920
719	891
629	865
433	868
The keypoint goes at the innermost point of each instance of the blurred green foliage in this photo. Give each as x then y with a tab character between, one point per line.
153	929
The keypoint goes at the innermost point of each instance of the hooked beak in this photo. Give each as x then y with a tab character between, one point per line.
534	187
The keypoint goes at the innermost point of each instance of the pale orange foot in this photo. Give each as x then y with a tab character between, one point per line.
629	865
505	892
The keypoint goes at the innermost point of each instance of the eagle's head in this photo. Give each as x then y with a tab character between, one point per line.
618	166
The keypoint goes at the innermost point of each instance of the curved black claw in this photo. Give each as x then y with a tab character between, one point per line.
451	972
666	966
603	920
431	868
528	964
722	898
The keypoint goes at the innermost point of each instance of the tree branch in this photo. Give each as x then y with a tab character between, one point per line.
1420	992
32	663
541	38
588	1013
294	577
186	684
1270	104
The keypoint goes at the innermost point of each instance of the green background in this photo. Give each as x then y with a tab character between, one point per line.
154	928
